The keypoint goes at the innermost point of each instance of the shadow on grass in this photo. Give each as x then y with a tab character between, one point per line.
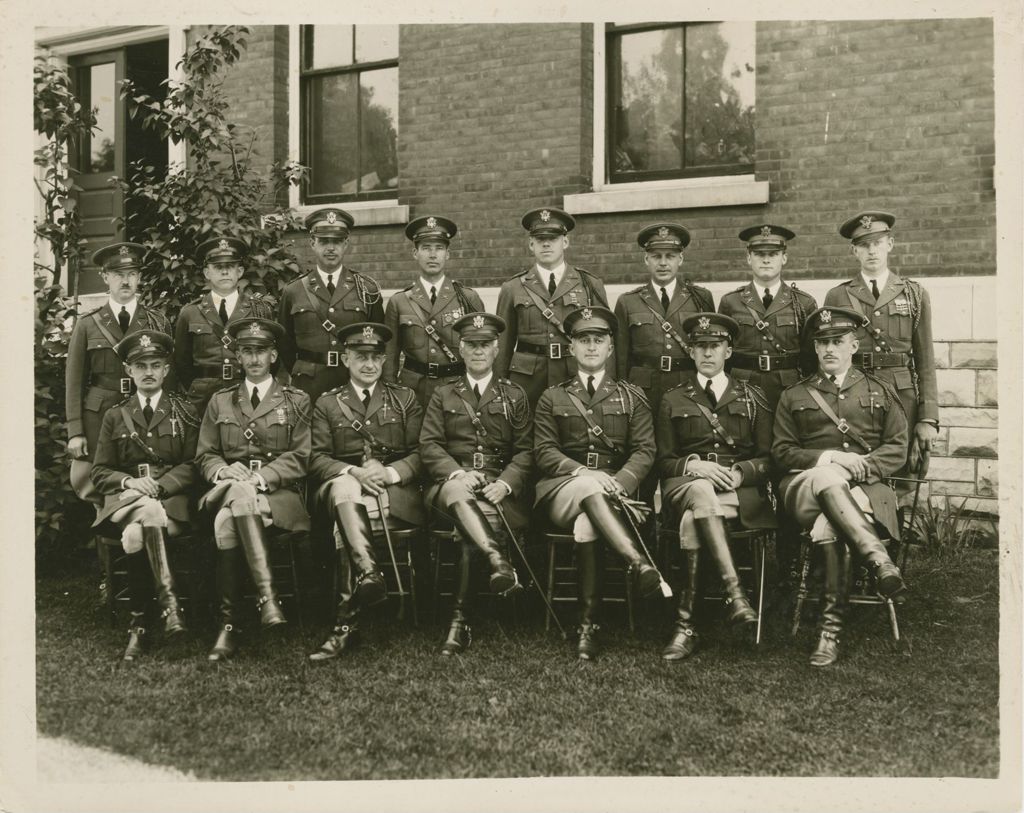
518	704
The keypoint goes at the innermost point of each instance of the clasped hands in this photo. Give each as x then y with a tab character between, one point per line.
721	477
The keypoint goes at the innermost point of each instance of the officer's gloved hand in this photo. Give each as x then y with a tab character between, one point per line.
921	445
719	476
78	447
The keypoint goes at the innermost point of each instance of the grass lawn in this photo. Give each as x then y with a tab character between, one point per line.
518	704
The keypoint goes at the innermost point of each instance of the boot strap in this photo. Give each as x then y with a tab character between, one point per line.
589	628
263	600
227	628
829	635
137	630
175	609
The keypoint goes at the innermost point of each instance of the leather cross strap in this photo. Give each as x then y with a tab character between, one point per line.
359	426
218	328
324	321
665	325
103	329
431	331
883	339
477	425
545	311
130	424
841	423
597	430
716	425
760	324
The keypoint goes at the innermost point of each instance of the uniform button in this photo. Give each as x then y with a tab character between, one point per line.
149	434
479	414
717	445
433	321
590	412
591	447
334	341
841	397
330	310
878	349
479	448
878	313
432	350
846	445
252	424
878	330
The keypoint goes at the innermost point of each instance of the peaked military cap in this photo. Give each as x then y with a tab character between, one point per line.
221	250
119	257
827	323
547	221
867	224
329	222
589	319
431	227
365	335
479	326
766	236
253	331
144	344
709	326
663	235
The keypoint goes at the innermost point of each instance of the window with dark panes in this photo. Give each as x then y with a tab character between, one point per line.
349	78
680	100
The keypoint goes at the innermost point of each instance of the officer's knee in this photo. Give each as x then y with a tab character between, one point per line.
688	532
131	538
583	529
345	488
240	498
822	530
224	530
824	477
151	513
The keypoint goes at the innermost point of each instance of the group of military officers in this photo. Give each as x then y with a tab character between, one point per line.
771	412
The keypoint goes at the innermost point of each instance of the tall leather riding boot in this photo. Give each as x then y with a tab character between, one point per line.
155	543
684	636
834	601
356	530
460	636
345	634
588	574
229	582
254	543
475	527
140	593
613	530
838	504
715	539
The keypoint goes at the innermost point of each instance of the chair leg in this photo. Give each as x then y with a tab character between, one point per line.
551	582
759	557
893	623
435	599
107	561
411	568
801	591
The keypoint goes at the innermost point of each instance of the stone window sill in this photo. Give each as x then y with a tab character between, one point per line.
689	194
366	212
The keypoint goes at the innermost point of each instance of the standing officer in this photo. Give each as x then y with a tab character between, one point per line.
203	352
144	469
770	315
365	437
533	350
254	446
476	447
95	378
837	434
315	306
714	437
896	333
593	439
649	342
421	318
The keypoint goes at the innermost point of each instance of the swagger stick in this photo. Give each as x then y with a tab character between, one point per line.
666	591
394	560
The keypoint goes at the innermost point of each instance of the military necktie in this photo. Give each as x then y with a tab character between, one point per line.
255	400
710	393
551	285
874	290
223	311
476	391
124	319
766	300
147	412
590	386
664	299
433	295
330	284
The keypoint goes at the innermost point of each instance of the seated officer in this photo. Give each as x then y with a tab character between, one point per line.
144	469
714	439
254	444
476	447
837	434
593	438
365	436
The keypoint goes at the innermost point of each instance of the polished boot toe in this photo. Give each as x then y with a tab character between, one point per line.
503	579
587	647
682	644
137	643
740	611
826	652
459	638
174	621
341	639
370	588
270	612
225	645
888	580
647	579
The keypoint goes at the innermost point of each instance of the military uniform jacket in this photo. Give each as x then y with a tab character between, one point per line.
278	436
526	323
873	411
95	372
201	341
406	315
393	418
311	319
683	430
499	442
563	440
643	348
778	334
171	434
901	322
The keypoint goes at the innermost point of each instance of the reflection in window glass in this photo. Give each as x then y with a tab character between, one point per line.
376	42
334	141
103	97
331	45
378	113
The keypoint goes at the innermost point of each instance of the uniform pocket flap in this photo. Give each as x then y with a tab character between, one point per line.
743	318
785	319
303	367
97	343
737	407
640	318
525	363
798	406
199	327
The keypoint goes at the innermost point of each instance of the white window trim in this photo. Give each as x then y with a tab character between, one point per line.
683	193
366	212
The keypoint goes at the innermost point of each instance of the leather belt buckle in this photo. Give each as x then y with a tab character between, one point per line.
764	363
248	434
592	460
478	460
432	367
225	340
760	324
255	465
554	350
867	359
666	364
843	426
227	371
143	469
328	325
332	358
547	313
712	457
357	424
126	386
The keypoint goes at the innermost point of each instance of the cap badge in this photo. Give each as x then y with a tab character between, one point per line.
254	329
368	333
431	222
766	231
223	245
826	316
588	313
332	217
866	221
144	340
478	321
663	232
545	215
704	323
124	251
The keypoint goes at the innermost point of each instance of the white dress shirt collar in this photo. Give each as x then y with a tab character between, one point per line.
262	388
128	306
545	274
335	276
718	383
481	383
428	285
229	301
772	289
359	390
598	378
670	289
839	377
881	280
154	399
